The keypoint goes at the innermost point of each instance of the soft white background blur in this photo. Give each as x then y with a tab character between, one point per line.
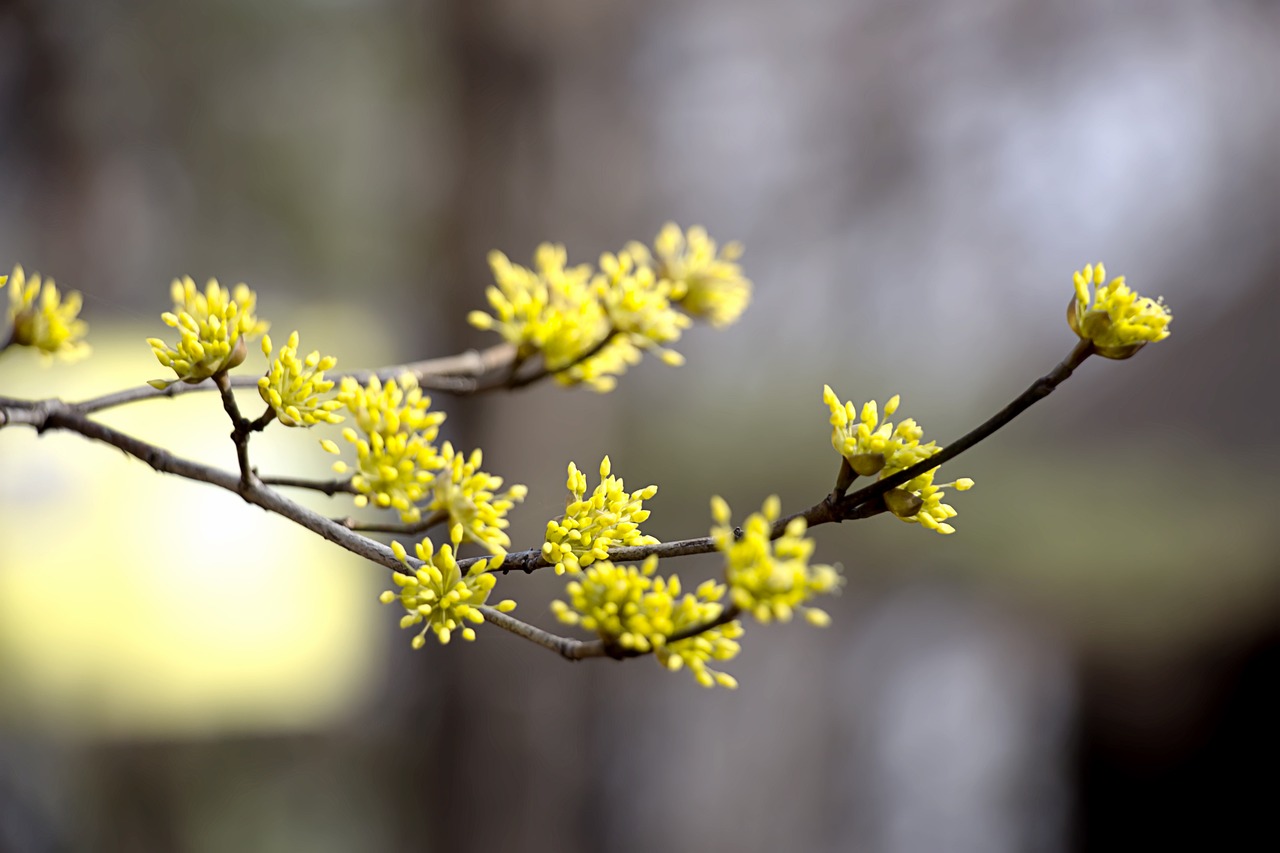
914	185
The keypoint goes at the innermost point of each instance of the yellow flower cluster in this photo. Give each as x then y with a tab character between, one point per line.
393	435
610	518
292	386
706	283
42	319
625	604
550	309
477	512
771	579
873	447
214	328
920	500
716	644
439	594
638	303
589	325
632	607
1116	319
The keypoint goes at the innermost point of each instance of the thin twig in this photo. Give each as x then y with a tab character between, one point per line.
532	559
844	479
408	529
513	382
328	487
567	648
575	650
66	417
263	419
451	374
240	428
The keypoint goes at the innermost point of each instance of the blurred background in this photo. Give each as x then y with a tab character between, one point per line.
1082	666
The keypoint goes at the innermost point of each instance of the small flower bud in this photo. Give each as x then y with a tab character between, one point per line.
866	464
237	356
902	503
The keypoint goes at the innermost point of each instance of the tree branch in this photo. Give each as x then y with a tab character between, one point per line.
456	374
575	650
567	648
55	414
328	487
240	428
514	381
1037	391
407	529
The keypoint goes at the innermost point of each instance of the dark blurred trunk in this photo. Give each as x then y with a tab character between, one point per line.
464	787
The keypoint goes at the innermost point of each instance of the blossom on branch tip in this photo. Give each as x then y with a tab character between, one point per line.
393	434
706	283
609	518
214	328
470	498
771	579
1116	320
41	318
292	386
439	594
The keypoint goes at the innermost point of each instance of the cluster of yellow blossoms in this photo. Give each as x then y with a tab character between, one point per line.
610	518
872	446
1117	321
41	318
589	325
214	328
393	431
708	284
768	578
477	511
292	386
716	644
398	465
637	610
393	437
439	594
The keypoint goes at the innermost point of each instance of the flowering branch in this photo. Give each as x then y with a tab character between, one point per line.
585	326
848	506
52	414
